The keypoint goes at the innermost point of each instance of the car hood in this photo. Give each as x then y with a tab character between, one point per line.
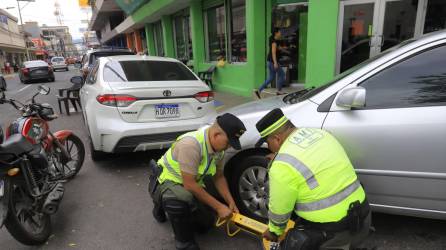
257	106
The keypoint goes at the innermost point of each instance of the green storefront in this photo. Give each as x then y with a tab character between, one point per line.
321	38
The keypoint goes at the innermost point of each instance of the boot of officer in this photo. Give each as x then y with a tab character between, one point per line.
180	191
312	176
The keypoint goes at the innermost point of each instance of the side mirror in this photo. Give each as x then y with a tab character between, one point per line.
352	98
43	90
77	79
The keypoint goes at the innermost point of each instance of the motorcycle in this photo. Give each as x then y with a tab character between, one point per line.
65	150
31	184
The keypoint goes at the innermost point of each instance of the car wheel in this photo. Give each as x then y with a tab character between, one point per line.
249	185
66	69
52	79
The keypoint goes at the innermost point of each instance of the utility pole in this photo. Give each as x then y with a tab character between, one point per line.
23	29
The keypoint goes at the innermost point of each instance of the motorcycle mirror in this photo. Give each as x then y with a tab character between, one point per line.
43	90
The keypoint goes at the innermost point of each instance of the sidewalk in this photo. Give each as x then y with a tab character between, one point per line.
224	100
10	76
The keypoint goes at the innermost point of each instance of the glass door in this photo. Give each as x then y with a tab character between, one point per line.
398	22
368	27
356	33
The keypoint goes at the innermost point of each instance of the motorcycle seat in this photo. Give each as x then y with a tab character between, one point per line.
16	144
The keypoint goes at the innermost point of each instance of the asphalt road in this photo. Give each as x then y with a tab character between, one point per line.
107	206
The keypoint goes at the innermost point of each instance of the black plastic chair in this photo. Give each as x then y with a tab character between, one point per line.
69	95
206	76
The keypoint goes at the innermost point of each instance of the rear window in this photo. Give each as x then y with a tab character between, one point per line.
129	71
57	59
97	55
31	64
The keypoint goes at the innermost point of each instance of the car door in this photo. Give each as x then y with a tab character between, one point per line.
397	141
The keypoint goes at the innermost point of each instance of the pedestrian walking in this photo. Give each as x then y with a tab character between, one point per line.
274	68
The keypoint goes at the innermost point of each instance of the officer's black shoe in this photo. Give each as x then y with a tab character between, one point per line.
190	245
159	214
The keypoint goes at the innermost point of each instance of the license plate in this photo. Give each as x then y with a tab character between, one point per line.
2	188
167	111
39	72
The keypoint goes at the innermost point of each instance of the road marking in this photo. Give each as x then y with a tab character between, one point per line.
23	88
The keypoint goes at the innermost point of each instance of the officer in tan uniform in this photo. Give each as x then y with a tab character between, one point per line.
177	186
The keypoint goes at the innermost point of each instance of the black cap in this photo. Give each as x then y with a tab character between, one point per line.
271	122
233	127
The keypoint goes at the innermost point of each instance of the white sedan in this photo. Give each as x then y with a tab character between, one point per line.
136	103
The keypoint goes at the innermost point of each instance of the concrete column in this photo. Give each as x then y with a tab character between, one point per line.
166	23
321	42
150	39
197	26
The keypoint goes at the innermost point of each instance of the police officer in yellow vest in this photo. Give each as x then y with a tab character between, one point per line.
181	192
312	176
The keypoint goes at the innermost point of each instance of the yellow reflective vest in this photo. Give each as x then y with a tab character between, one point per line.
171	168
312	176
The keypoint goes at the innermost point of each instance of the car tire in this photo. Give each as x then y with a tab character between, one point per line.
243	186
66	69
52	79
97	155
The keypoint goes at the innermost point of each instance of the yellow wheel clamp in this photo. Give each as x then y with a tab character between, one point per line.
240	222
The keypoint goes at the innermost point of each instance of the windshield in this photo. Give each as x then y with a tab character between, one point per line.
304	94
128	71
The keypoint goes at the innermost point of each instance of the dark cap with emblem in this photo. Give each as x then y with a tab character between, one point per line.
233	127
271	122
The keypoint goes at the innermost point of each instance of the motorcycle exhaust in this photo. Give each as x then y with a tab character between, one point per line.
53	199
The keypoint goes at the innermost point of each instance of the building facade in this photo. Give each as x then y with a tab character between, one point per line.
320	38
12	43
58	40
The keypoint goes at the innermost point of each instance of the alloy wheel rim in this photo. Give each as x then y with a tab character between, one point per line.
253	190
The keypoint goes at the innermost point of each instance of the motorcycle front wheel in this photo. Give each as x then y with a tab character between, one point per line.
75	148
23	222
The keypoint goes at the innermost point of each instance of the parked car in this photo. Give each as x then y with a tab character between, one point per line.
389	113
91	56
135	103
36	70
3	85
58	62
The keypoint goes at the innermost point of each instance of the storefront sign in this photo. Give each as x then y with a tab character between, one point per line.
130	6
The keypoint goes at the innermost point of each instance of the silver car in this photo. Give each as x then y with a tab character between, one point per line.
389	113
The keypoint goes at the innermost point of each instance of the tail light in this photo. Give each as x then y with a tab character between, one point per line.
205	96
25	71
116	100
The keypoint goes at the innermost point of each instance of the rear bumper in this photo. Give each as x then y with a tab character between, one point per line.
39	77
146	142
115	135
60	66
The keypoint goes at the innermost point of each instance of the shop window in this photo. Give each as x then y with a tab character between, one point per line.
216	32
158	37
238	31
182	36
226	31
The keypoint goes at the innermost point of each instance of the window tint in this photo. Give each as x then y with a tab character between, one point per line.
124	71
417	81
